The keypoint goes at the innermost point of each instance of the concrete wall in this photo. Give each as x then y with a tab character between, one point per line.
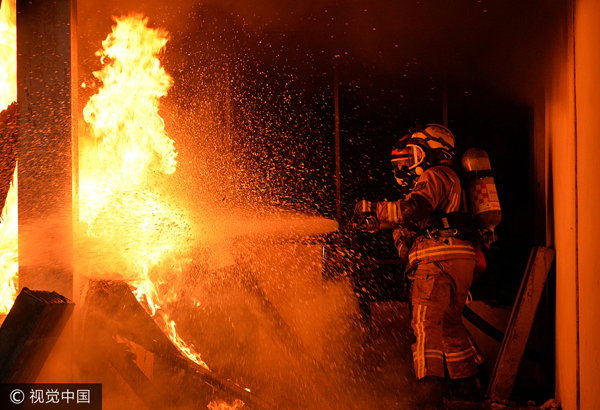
573	144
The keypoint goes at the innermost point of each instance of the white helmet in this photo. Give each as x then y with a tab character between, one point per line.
422	149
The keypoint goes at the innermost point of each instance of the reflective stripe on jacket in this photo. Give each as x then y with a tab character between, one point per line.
440	186
431	250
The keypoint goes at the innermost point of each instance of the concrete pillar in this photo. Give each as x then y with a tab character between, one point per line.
46	73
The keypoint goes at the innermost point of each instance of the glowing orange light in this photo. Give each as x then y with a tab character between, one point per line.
8	94
9	260
8	53
124	153
222	405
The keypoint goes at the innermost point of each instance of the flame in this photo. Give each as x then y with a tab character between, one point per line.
8	94
122	155
8	53
9	260
222	405
124	160
124	116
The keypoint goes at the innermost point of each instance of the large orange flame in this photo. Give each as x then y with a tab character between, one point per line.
123	155
8	53
124	116
124	160
8	94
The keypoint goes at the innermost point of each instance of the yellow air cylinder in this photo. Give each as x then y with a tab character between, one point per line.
483	196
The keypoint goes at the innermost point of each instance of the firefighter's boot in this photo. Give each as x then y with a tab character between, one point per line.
427	394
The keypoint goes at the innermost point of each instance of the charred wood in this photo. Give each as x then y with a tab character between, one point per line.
29	333
110	306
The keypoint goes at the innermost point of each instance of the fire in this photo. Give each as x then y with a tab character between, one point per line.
133	226
8	53
222	405
128	131
9	259
125	154
8	94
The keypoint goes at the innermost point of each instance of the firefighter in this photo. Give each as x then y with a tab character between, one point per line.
432	229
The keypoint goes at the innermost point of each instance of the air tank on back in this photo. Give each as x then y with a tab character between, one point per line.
483	196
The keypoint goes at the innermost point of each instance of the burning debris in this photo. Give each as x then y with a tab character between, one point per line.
221	405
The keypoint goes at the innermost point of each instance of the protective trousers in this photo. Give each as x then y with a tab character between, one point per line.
438	296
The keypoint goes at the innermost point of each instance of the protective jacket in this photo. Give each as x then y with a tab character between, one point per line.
440	187
442	264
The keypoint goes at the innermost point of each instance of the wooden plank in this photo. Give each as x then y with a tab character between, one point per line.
29	333
202	386
123	362
519	325
112	304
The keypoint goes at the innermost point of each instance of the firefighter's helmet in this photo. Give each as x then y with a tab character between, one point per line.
425	147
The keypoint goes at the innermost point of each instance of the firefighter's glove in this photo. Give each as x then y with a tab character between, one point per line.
403	239
364	217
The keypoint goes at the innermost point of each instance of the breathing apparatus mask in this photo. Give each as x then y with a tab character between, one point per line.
423	148
407	160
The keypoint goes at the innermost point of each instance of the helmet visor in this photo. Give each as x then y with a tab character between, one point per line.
408	158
